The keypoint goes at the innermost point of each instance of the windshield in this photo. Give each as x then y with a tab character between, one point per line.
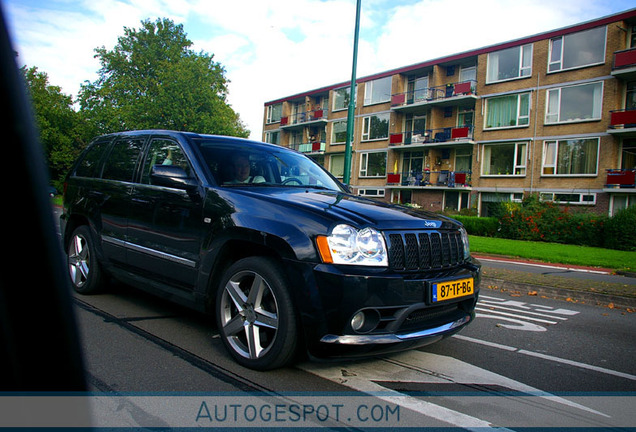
254	165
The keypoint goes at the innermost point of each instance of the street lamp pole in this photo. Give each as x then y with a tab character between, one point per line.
352	100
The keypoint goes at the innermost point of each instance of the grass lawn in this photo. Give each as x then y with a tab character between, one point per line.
555	253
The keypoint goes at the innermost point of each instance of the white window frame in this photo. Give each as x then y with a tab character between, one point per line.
339	94
372	192
559	45
364	164
524	54
371	97
554	197
520	121
554	155
273	116
554	98
272	137
333	132
366	126
519	159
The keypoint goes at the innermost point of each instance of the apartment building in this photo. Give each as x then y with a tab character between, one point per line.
553	114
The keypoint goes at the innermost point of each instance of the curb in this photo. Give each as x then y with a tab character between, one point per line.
516	288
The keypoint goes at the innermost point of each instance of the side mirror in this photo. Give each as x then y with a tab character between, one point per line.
172	176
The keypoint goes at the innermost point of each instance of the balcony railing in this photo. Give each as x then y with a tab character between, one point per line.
430	136
442	178
433	94
304	117
621	119
621	178
312	147
625	58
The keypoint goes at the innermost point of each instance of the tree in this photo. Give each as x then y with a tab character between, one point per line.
152	79
60	129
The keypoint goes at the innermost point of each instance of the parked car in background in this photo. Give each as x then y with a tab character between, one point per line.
267	241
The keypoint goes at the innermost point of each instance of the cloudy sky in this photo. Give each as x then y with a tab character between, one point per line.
276	48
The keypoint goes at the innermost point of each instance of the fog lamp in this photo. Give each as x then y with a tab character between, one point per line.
357	322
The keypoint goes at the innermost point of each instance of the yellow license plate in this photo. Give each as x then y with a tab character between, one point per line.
452	289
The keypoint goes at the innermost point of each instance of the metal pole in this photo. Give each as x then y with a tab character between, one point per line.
352	100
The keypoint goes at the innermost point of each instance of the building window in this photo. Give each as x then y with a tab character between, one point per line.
569	198
574	103
272	137
341	98
336	165
377	91
375	127
456	200
274	113
339	132
510	63
507	159
570	157
620	202
373	164
378	193
507	111
577	50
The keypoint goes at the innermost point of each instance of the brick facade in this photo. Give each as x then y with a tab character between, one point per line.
501	122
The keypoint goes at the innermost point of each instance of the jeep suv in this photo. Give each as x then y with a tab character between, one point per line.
266	240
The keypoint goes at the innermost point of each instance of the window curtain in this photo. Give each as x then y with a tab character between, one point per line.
577	157
502	112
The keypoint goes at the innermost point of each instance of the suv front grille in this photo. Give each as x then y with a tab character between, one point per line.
425	250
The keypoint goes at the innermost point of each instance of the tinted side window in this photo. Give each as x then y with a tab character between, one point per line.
88	166
163	152
122	159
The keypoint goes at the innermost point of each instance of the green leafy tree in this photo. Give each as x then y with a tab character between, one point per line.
153	79
60	128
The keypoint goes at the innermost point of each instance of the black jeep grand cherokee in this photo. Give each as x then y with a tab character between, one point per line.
269	241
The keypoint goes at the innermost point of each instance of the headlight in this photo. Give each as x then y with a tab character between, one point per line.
464	234
347	245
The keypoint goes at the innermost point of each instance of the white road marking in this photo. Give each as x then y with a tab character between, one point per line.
421	367
548	357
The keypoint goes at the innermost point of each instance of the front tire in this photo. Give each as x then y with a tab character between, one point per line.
255	314
83	267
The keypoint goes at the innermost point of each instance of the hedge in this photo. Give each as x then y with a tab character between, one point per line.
535	220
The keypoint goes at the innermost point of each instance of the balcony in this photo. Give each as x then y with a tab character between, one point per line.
621	179
624	65
432	137
316	147
433	179
623	122
307	118
457	94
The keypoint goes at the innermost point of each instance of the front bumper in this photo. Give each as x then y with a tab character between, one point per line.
400	307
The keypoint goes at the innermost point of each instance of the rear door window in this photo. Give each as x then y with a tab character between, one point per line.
123	158
90	164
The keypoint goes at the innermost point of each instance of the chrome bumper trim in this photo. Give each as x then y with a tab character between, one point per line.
394	338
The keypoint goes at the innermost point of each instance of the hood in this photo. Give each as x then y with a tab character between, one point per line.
351	209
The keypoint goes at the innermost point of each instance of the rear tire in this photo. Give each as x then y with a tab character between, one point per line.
255	314
84	269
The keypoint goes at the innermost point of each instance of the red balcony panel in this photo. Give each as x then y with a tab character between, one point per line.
393	178
318	114
623	117
315	146
398	99
462	88
621	177
460	178
284	121
461	132
625	58
395	139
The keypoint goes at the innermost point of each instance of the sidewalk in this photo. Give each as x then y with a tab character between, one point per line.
518	283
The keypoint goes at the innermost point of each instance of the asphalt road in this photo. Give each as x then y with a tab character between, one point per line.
525	361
